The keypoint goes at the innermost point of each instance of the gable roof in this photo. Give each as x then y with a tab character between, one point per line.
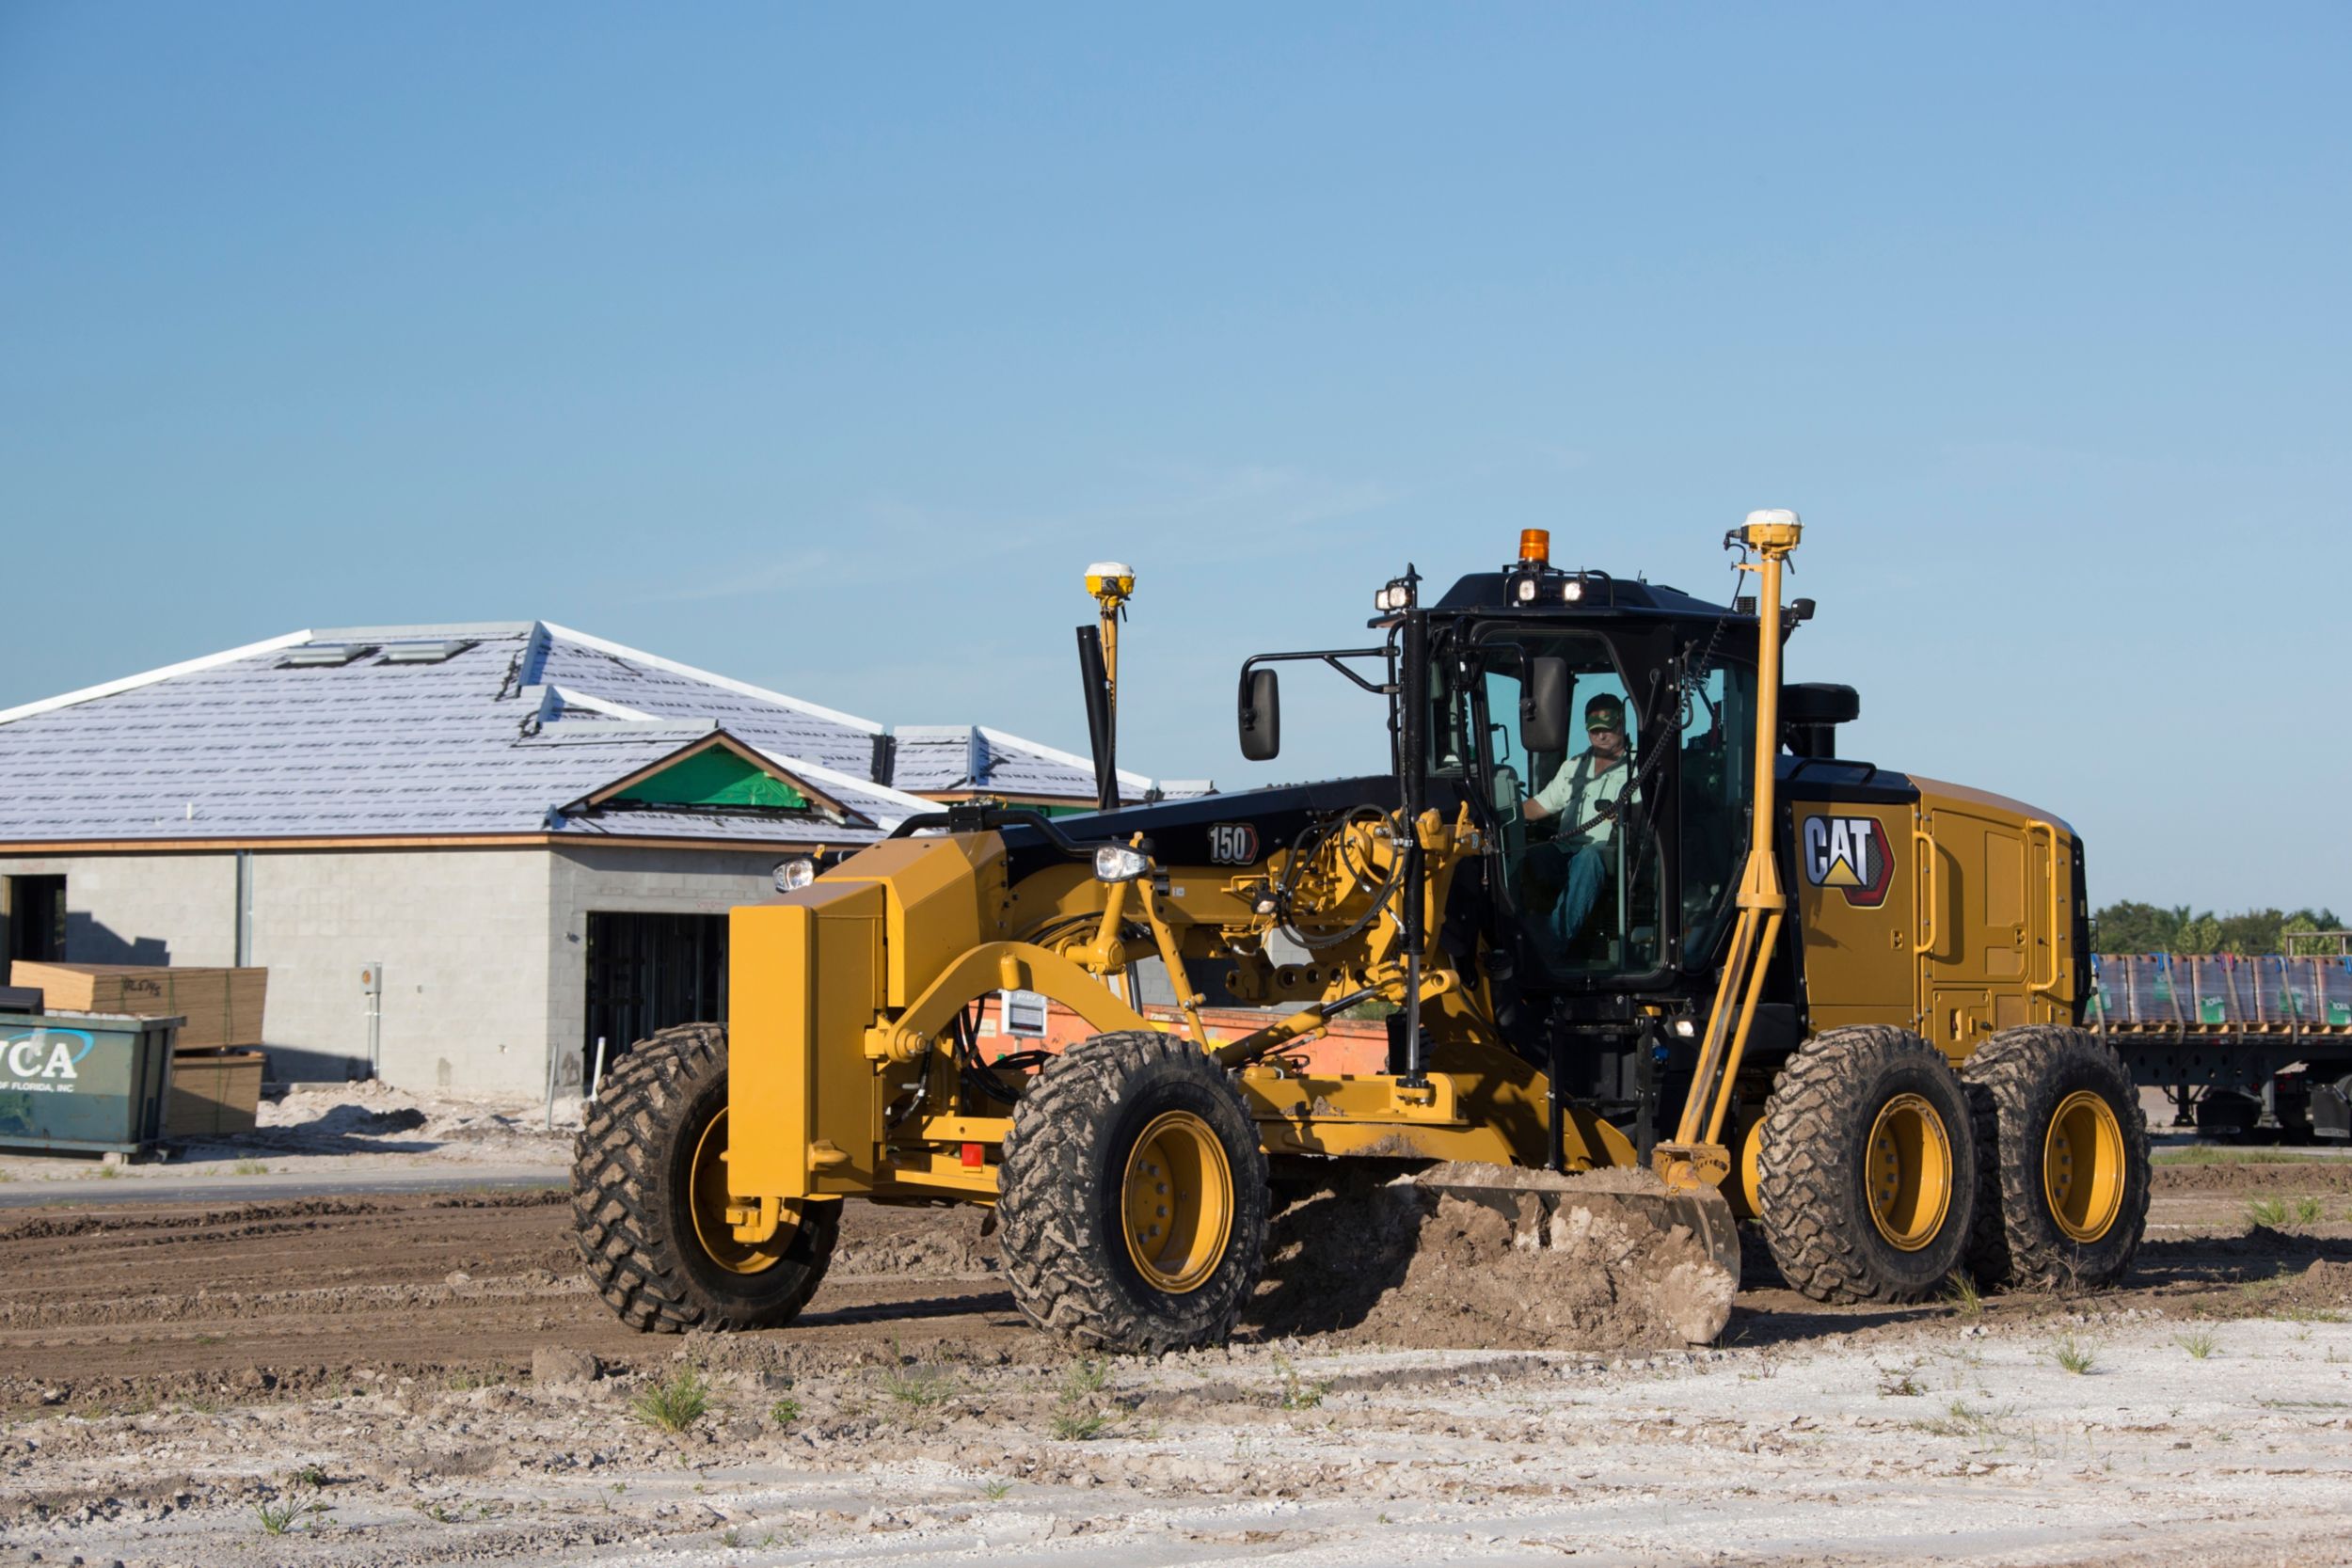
715	773
441	730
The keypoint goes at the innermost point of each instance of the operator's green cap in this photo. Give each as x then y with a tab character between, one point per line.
1604	713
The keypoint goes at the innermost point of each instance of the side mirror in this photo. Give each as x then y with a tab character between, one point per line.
1544	706
1260	716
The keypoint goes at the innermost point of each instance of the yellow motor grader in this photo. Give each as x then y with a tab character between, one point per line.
1836	1000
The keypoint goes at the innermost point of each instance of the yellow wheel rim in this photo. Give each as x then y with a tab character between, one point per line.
1176	1203
707	1200
1908	1169
2082	1165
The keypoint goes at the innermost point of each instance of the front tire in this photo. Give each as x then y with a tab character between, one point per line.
1867	1167
1133	1197
649	1199
2063	1151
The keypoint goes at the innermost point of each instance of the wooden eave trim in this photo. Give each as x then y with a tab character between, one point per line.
420	841
946	796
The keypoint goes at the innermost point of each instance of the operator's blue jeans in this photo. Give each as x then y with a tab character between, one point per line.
1585	870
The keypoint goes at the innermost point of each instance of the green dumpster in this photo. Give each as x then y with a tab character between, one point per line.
90	1083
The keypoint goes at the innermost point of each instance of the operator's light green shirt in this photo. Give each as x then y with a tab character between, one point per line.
1578	792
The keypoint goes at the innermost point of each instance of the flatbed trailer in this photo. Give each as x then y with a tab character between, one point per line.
2246	1046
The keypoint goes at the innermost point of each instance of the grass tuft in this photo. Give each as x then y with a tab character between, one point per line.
1081	1426
1298	1393
1959	1420
784	1412
2073	1356
249	1168
994	1489
2267	1211
2199	1342
918	1387
1080	1413
1960	1288
675	1406
2308	1210
277	1517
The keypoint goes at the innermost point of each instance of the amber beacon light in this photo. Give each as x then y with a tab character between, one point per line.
1535	545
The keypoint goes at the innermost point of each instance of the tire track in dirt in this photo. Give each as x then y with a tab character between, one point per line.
124	1303
310	1293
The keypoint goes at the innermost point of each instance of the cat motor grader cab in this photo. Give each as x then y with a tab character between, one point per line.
1836	1000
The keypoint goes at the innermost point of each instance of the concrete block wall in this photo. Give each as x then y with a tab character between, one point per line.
461	935
608	878
484	952
143	909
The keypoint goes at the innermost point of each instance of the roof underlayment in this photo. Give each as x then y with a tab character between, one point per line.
499	729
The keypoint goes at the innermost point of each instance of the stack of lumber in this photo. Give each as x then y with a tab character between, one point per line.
223	1006
213	1093
217	1060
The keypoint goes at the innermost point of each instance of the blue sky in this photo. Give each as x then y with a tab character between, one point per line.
825	349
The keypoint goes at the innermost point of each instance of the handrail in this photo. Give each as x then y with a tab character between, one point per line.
982	819
1930	890
2058	911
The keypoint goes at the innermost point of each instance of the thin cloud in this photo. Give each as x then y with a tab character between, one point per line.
1252	503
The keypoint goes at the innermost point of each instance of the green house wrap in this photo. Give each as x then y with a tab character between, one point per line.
714	777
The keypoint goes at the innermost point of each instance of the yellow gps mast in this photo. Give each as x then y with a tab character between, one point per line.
1112	583
1697	1156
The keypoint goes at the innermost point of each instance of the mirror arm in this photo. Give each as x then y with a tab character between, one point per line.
1330	656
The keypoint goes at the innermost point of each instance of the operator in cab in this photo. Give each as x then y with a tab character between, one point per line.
1583	794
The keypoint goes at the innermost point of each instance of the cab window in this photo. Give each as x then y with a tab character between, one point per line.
1717	760
1580	866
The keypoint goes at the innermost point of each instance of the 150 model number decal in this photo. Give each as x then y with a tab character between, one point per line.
1232	843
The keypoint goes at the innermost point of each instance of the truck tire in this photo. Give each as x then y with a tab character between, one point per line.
1133	1196
649	1199
2062	1152
1867	1167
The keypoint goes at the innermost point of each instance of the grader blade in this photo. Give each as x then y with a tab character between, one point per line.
1681	1247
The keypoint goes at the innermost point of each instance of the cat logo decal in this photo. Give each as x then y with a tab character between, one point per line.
1850	854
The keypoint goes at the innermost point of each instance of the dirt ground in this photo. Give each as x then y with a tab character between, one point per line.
351	1381
342	1130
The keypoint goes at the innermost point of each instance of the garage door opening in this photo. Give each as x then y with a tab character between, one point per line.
647	972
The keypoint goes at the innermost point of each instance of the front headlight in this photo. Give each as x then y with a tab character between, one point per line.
792	876
1116	863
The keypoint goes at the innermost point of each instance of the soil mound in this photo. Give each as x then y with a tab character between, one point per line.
879	1241
2325	1287
1414	1266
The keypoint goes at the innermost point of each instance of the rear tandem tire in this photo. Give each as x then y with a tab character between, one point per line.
1867	1167
635	1191
2062	1151
1133	1196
